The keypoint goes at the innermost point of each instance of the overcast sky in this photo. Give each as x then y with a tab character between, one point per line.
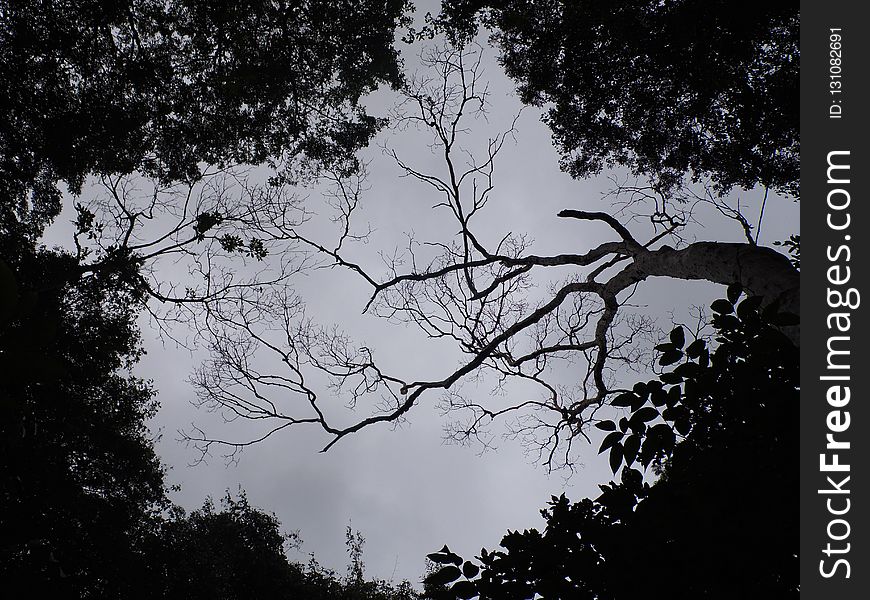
404	490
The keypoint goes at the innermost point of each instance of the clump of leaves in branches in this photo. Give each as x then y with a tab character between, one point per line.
721	427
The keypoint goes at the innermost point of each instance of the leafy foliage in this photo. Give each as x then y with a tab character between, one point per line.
159	87
793	246
80	479
665	88
83	507
722	430
239	552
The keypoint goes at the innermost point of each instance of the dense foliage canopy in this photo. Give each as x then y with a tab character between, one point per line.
238	551
160	87
669	89
78	472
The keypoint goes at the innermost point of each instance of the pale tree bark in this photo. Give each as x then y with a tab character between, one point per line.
759	270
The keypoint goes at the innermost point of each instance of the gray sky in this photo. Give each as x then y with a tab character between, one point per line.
404	490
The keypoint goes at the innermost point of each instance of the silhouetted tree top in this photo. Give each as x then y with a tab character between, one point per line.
690	87
79	478
721	429
239	551
159	87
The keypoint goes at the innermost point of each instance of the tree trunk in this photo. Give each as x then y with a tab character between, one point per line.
760	271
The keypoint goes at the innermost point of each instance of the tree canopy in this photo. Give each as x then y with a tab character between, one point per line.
239	551
161	87
80	479
163	102
668	89
84	511
161	90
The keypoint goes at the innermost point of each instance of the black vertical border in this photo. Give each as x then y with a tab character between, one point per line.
821	134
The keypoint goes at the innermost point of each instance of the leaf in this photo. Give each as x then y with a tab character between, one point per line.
444	576
727	323
637	426
464	590
678	337
616	457
669	358
637	404
606	425
674	396
647	413
676	413
683	426
733	293
670	378
687	370
665	347
632	478
470	570
624	399
445	556
629	450
695	348
623	424
610	440
648	451
663	436
749	307
722	307
659	397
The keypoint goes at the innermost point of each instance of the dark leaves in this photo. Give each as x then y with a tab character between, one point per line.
608	107
645	414
464	590
733	292
722	307
609	441
670	357
616	454
630	448
443	576
695	348
445	556
678	337
625	399
470	570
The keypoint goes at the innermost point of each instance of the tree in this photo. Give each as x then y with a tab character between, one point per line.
175	92
160	87
475	292
668	89
239	552
84	512
169	92
80	479
727	483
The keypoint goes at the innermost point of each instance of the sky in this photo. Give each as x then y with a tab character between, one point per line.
406	491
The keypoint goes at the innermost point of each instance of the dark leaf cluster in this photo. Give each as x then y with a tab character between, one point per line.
161	87
668	89
722	428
